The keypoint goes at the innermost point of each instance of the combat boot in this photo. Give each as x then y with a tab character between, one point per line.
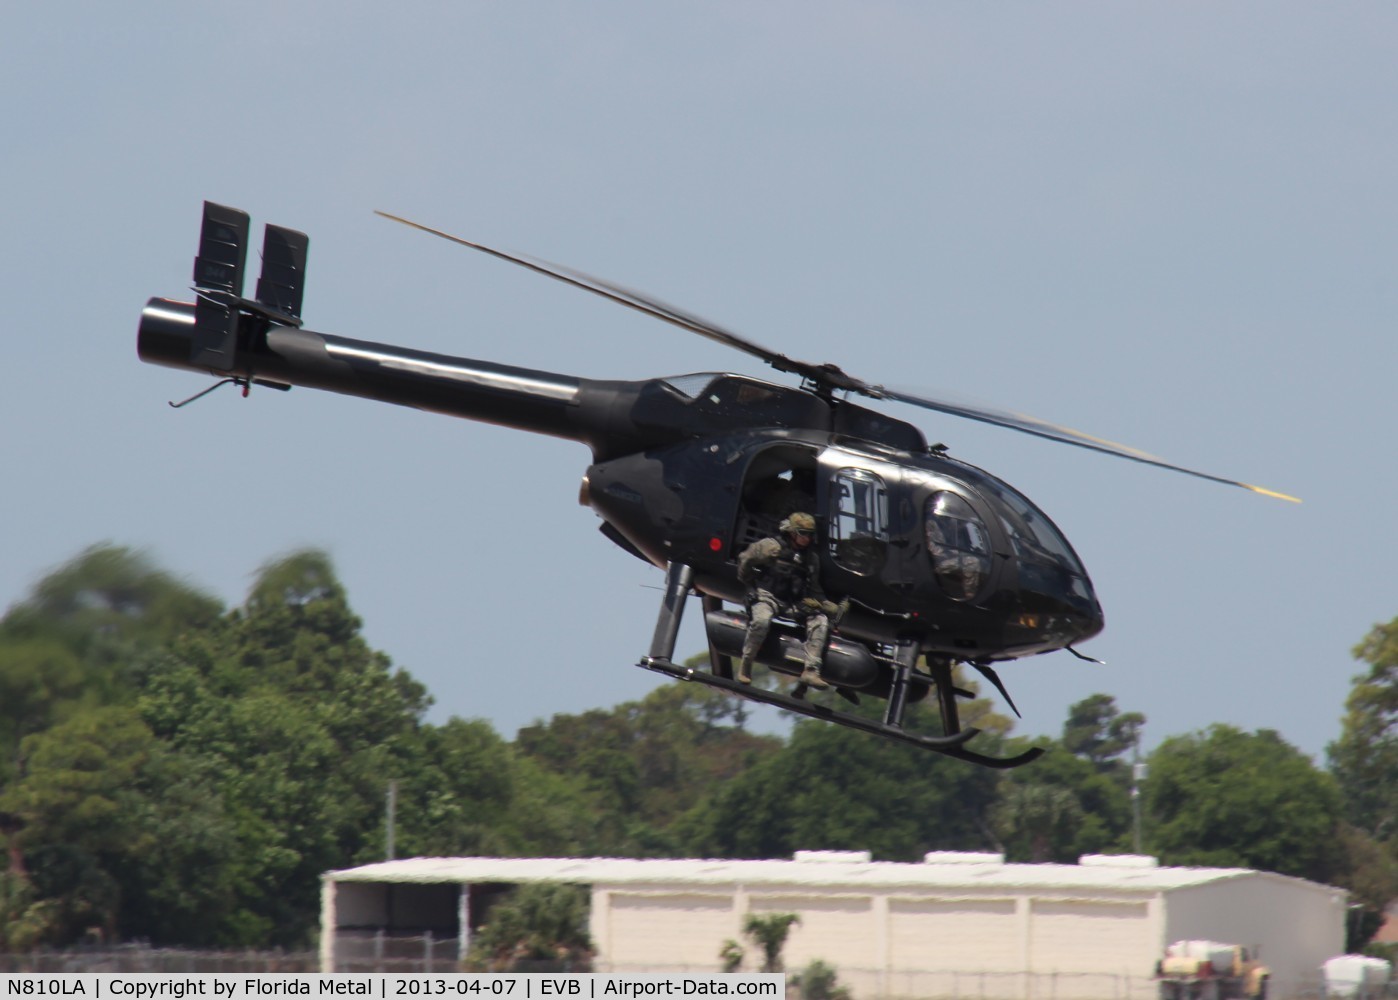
811	678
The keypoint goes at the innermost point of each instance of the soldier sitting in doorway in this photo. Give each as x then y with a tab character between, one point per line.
782	574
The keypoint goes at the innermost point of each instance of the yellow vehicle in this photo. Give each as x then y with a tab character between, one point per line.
1209	970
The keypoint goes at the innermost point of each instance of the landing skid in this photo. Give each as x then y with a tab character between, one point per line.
679	580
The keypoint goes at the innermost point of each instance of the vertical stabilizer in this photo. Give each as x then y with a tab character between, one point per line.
218	278
283	279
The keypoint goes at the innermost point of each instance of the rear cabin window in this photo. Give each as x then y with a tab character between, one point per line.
858	521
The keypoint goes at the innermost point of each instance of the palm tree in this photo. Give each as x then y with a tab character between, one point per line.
1044	815
769	933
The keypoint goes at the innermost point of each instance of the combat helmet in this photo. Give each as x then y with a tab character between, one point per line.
799	521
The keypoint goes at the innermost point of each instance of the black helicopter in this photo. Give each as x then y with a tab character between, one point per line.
941	563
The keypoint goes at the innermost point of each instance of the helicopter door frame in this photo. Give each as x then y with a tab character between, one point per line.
779	479
857	507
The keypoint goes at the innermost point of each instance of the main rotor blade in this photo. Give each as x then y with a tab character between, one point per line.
827	377
1064	435
826	374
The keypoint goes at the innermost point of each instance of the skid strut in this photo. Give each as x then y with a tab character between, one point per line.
905	657
679	578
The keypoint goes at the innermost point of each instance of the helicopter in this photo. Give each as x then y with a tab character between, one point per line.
938	563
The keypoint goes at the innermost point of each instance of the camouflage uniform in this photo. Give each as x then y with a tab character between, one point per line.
785	580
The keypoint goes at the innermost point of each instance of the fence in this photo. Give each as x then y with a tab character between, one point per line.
370	951
379	951
136	959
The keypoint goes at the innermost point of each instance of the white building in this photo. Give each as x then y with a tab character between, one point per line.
957	925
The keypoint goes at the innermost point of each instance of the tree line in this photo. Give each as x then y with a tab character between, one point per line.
179	772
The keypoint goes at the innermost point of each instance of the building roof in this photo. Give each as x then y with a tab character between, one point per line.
829	870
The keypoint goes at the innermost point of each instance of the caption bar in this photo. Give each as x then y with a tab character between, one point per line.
387	986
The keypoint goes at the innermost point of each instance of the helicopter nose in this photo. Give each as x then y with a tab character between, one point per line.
1096	622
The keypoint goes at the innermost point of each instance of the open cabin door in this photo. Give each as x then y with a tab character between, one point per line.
780	480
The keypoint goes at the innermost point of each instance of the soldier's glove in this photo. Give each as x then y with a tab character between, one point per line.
830	608
810	605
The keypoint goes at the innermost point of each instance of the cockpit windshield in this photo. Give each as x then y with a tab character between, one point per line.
1047	564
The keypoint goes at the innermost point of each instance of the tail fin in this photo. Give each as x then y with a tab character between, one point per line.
223	251
218	282
283	271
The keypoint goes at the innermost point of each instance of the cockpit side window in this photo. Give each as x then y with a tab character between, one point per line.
858	521
957	544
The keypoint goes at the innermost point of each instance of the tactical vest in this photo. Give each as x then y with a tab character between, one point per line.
787	576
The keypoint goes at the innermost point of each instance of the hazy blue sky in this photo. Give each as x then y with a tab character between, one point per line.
1170	224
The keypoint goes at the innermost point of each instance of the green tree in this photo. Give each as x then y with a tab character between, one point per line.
73	805
82	899
1100	732
537	922
1364	759
1075	799
643	764
69	645
121	836
836	788
184	776
1103	813
820	981
464	790
769	932
1227	798
41	682
1037	818
25	920
76	776
300	725
105	604
1370	872
178	881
